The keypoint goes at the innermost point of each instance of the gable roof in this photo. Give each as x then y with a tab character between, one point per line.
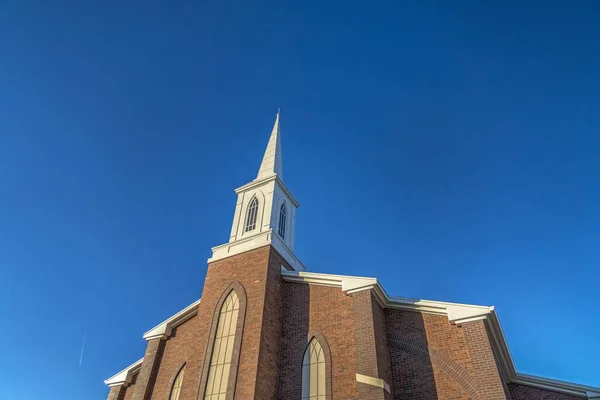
457	313
125	376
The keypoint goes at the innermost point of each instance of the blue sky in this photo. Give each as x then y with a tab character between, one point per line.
449	149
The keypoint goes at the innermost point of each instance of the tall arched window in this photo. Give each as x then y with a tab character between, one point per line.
220	363
282	219
313	372
176	389
251	215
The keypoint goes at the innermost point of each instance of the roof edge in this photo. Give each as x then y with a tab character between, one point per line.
556	385
163	330
457	313
124	377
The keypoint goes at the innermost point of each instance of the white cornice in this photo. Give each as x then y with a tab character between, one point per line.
456	313
124	377
254	242
559	386
163	330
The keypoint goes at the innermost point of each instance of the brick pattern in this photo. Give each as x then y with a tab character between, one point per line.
438	358
384	368
128	395
116	393
366	348
235	357
485	368
250	270
179	350
149	370
270	338
307	310
258	273
412	376
522	392
421	356
415	375
295	330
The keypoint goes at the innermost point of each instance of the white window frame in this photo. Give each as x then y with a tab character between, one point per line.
282	220
222	352
314	375
251	215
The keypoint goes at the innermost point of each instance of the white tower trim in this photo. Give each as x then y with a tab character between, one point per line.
270	191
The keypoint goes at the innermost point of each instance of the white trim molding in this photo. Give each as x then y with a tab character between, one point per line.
164	329
123	378
457	314
369	380
253	242
559	386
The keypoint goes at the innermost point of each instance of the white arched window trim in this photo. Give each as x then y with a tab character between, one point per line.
313	372
220	363
251	215
176	388
282	220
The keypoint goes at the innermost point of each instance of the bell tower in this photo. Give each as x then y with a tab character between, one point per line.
265	211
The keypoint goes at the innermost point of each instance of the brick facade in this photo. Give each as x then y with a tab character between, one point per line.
418	355
308	310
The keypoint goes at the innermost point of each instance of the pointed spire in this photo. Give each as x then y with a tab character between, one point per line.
272	161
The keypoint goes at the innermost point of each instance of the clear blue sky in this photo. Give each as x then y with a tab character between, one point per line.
448	148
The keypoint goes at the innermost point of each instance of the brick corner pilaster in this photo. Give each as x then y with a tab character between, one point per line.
116	393
485	368
148	371
371	347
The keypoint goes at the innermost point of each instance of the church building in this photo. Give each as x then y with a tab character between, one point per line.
266	328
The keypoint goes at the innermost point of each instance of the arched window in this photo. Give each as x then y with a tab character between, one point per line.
282	219
220	363
251	215
176	389
313	372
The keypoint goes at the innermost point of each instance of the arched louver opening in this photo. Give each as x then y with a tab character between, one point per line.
251	215
220	363
282	221
313	372
176	389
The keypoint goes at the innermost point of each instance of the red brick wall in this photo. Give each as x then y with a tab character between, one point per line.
522	392
258	271
149	370
421	356
129	389
325	310
250	270
180	349
371	356
270	339
384	368
429	357
485	369
116	393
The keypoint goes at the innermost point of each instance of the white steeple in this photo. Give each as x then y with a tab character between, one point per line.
272	160
265	212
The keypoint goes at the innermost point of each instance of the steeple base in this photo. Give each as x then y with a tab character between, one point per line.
254	242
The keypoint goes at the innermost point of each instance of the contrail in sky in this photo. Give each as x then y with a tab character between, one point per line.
82	347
